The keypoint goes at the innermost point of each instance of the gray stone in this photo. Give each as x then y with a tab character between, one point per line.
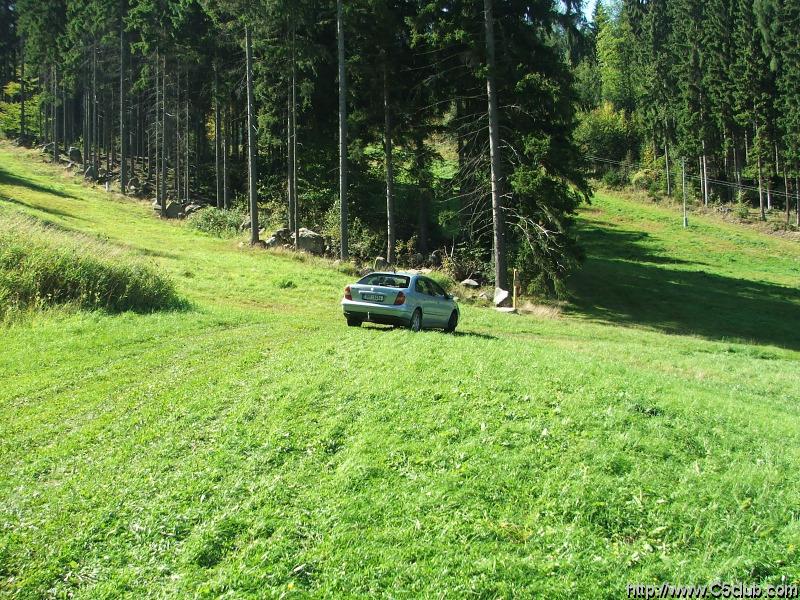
191	208
436	258
271	242
174	210
381	264
90	173
417	259
310	241
470	283
75	154
500	297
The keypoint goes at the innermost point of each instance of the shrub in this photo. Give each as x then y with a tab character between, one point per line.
217	221
41	265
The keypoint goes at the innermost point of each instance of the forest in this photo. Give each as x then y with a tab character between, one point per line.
462	131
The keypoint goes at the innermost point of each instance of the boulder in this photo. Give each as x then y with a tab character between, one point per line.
90	173
381	264
174	210
500	297
271	242
417	259
436	259
191	208
284	236
310	241
470	283
75	154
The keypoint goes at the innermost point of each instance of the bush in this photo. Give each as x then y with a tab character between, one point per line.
217	221
41	265
615	178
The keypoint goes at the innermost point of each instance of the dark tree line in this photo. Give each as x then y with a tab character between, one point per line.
714	82
396	127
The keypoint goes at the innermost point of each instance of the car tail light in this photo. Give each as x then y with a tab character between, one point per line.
347	295
401	299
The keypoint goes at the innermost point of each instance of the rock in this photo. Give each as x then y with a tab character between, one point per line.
310	241
156	207
284	236
174	210
470	283
483	296
271	242
134	183
500	296
245	224
191	208
381	264
48	148
90	173
417	259
75	154
259	244
436	258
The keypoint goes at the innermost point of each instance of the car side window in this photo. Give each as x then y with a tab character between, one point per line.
436	289
421	287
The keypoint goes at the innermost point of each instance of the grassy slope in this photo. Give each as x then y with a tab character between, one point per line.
255	445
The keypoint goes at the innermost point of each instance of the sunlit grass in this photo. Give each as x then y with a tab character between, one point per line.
254	445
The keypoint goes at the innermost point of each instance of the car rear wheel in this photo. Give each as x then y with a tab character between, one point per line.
452	323
353	322
416	321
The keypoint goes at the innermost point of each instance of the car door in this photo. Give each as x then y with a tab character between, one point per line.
427	302
442	309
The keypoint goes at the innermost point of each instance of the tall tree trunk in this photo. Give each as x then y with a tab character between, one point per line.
251	140
225	202
176	172
769	189
295	219
163	137
290	158
787	191
760	189
95	117
186	142
55	115
422	196
797	201
387	151
343	229
217	139
666	167
123	125
22	124
500	275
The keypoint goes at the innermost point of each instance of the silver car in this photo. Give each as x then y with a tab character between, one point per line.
405	299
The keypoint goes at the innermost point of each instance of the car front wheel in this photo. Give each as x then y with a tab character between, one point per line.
416	321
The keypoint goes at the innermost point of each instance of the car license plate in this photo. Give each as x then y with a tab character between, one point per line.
373	297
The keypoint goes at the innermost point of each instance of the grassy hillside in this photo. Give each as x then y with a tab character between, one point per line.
254	445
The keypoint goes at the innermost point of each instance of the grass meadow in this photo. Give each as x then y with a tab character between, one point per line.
251	445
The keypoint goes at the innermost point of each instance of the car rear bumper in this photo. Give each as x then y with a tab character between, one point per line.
376	313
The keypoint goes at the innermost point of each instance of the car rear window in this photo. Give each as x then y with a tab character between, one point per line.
386	280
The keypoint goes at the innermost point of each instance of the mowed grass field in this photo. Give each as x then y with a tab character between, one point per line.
252	445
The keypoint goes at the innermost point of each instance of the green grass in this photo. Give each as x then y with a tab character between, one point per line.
256	446
42	266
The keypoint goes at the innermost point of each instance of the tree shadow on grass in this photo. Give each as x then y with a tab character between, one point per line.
10	179
622	281
45	209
